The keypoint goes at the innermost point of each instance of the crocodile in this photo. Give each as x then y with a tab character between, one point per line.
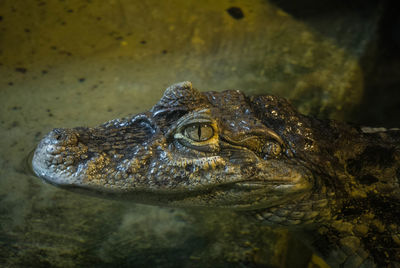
337	183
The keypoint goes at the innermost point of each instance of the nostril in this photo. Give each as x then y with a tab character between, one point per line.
60	136
57	134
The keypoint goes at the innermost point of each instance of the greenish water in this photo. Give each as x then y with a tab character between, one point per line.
79	63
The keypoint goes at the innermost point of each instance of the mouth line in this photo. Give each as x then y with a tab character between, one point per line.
248	184
243	184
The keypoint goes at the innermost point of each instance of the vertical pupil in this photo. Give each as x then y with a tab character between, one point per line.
199	132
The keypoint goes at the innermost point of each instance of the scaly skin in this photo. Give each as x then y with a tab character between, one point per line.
337	183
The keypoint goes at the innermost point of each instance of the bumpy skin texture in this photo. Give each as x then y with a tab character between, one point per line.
337	183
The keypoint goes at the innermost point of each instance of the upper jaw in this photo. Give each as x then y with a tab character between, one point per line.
62	158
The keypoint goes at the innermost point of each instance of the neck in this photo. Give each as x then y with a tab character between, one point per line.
354	209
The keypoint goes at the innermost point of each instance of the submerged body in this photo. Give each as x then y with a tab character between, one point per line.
337	182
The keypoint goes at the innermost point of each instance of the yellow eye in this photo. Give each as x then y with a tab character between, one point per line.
199	132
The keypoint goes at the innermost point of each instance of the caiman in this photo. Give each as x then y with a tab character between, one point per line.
337	182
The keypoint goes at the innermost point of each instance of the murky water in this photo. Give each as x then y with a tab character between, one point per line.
81	64
42	225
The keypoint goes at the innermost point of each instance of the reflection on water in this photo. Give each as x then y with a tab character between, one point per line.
27	164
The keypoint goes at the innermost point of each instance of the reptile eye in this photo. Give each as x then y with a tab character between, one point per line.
199	132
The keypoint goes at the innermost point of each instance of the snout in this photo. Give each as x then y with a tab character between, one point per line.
54	156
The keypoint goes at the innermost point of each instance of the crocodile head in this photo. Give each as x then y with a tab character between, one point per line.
191	149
